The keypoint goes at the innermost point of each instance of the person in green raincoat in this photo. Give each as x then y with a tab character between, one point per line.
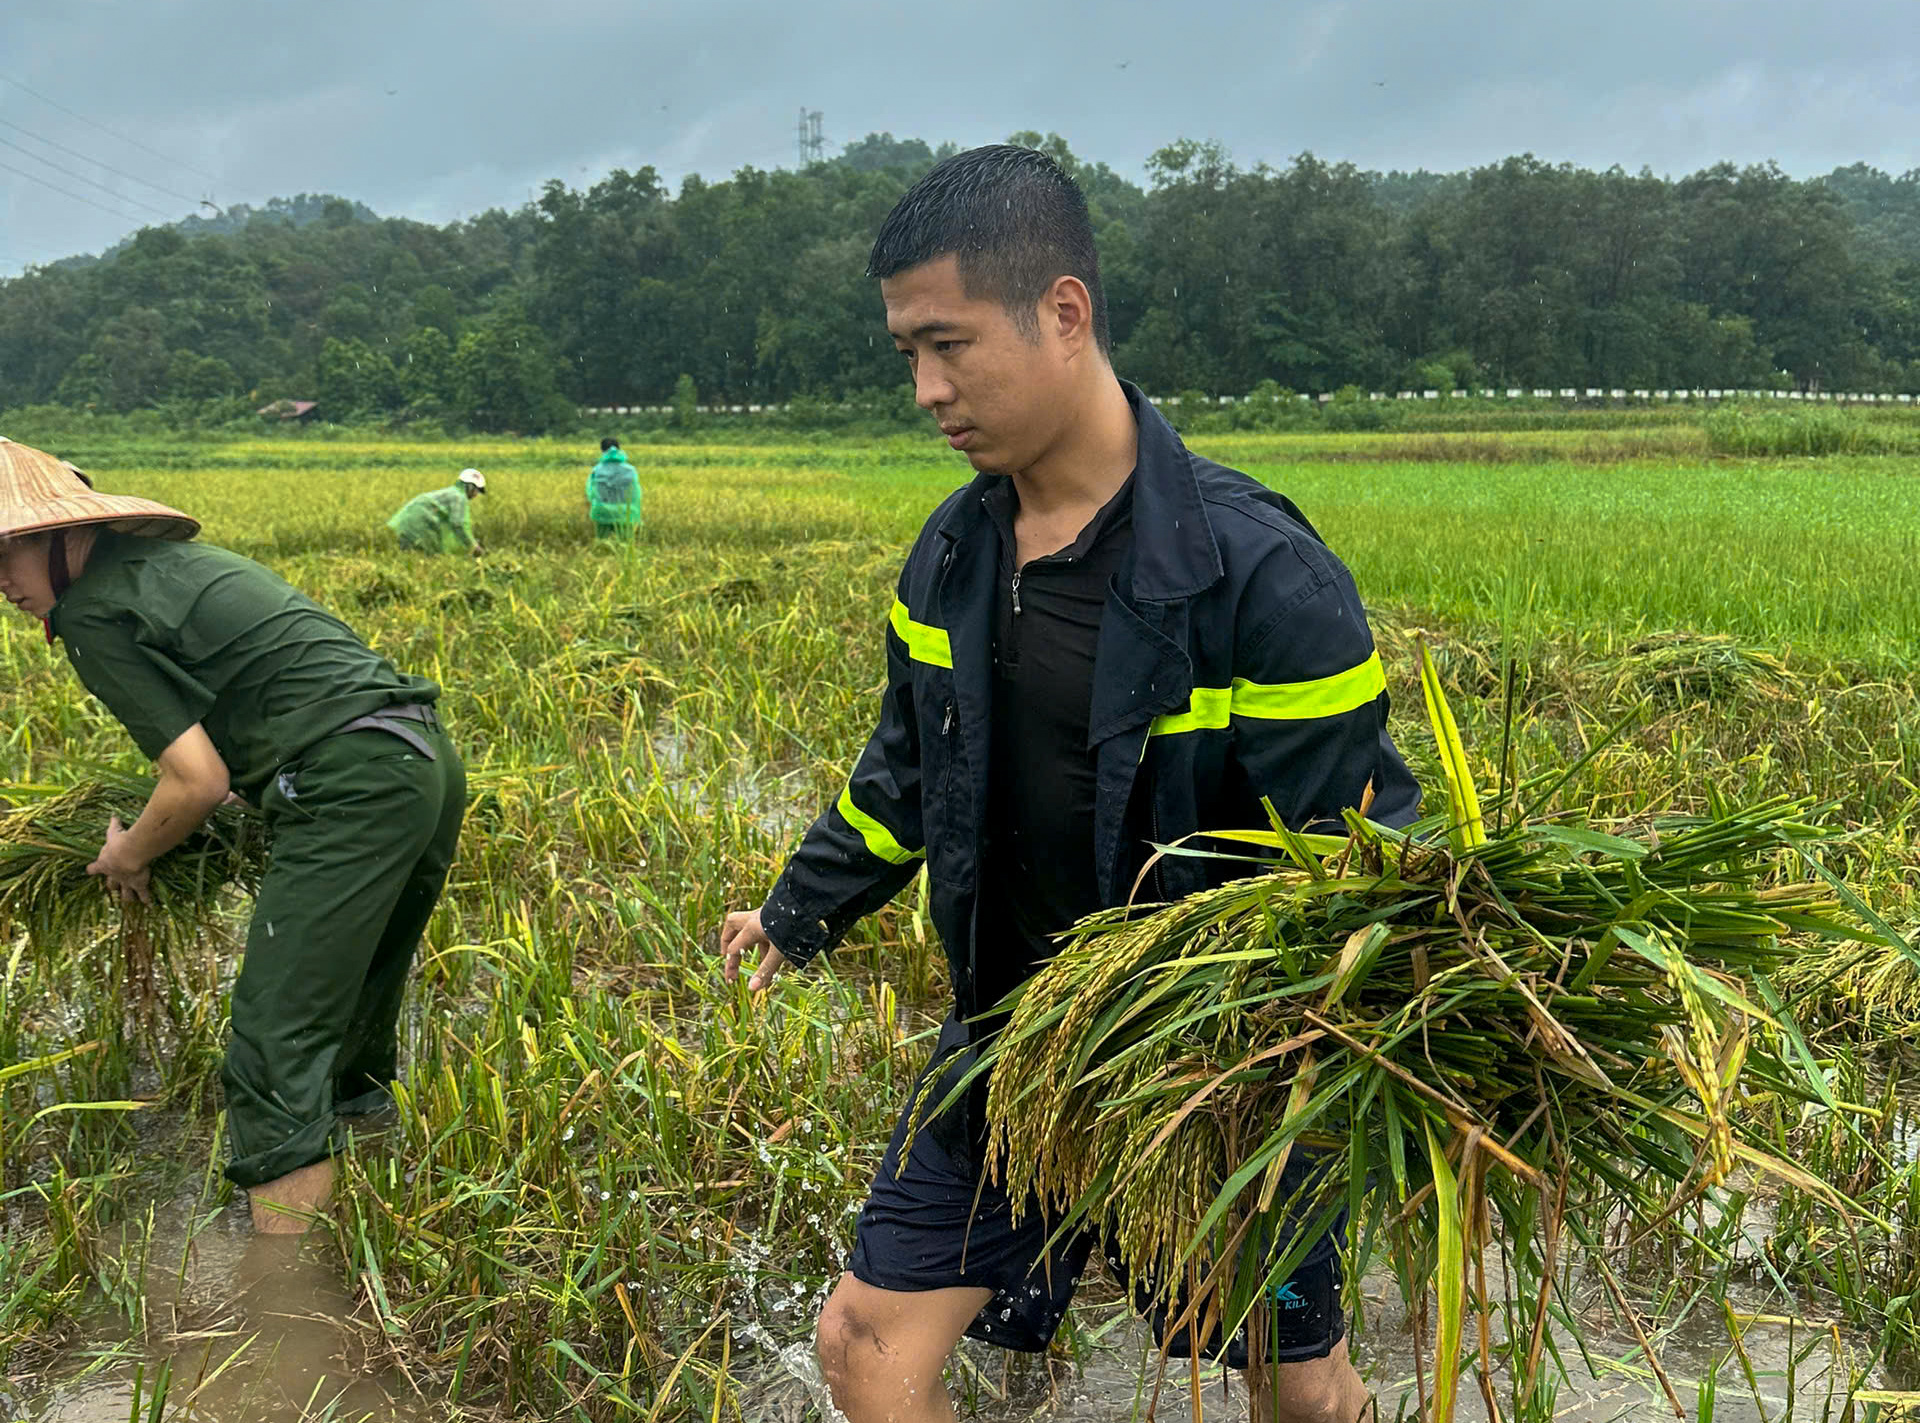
232	681
613	494
439	521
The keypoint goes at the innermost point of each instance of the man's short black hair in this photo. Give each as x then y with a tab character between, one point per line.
609	444
1014	219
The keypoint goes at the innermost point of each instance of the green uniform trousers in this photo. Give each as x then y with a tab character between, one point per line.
363	831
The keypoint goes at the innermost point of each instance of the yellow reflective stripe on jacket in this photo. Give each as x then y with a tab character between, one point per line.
880	841
924	644
1210	708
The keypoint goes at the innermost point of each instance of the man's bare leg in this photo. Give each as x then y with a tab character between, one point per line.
1327	1390
292	1203
882	1351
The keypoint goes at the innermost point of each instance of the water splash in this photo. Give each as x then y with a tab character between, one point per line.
792	1364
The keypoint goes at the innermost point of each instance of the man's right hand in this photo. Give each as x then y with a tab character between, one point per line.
741	935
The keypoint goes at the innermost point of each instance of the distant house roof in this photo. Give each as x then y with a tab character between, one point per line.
289	409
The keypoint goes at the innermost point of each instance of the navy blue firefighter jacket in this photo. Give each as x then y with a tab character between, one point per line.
1234	662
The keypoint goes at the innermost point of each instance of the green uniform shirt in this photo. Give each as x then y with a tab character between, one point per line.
168	634
437	521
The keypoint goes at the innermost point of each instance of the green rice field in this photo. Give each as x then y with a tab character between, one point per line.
619	1188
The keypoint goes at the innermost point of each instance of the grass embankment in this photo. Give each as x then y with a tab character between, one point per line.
607	1163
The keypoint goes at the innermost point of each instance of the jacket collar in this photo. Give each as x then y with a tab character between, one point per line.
1175	554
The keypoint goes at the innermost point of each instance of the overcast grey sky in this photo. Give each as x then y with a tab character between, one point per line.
435	109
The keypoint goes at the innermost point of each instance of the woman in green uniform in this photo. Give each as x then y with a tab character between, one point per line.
229	679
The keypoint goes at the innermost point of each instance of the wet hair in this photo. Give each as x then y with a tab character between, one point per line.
609	444
1014	219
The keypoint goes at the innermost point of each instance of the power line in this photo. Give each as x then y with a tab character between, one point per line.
83	178
94	123
84	158
77	197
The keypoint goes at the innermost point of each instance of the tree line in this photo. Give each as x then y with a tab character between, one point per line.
1310	276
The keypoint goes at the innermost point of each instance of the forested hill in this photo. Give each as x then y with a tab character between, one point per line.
299	211
1314	275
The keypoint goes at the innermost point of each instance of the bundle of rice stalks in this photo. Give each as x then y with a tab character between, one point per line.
1543	1027
1694	666
475	599
738	592
49	835
375	587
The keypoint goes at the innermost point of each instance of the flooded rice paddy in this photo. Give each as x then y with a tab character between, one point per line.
617	1188
234	1328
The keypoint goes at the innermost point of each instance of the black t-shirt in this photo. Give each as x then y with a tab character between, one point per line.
1038	872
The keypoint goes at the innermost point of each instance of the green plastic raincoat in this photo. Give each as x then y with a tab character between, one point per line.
613	495
436	522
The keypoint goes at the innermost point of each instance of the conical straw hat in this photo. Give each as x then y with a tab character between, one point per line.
39	492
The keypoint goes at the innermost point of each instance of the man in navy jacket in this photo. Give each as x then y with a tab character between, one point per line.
1102	643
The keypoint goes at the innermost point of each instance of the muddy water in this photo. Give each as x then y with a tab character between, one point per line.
1114	1379
240	1329
251	1329
255	1328
780	805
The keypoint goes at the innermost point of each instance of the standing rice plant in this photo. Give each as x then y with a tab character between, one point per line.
1801	430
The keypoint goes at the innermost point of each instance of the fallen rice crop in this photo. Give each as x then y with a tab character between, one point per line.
609	1171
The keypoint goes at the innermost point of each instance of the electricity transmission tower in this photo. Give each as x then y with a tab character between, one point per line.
810	141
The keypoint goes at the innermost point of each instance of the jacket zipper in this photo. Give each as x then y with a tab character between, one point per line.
1016	591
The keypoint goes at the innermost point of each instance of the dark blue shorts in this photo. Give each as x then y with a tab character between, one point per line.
937	1225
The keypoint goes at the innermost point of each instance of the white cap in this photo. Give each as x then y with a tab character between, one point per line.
473	477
